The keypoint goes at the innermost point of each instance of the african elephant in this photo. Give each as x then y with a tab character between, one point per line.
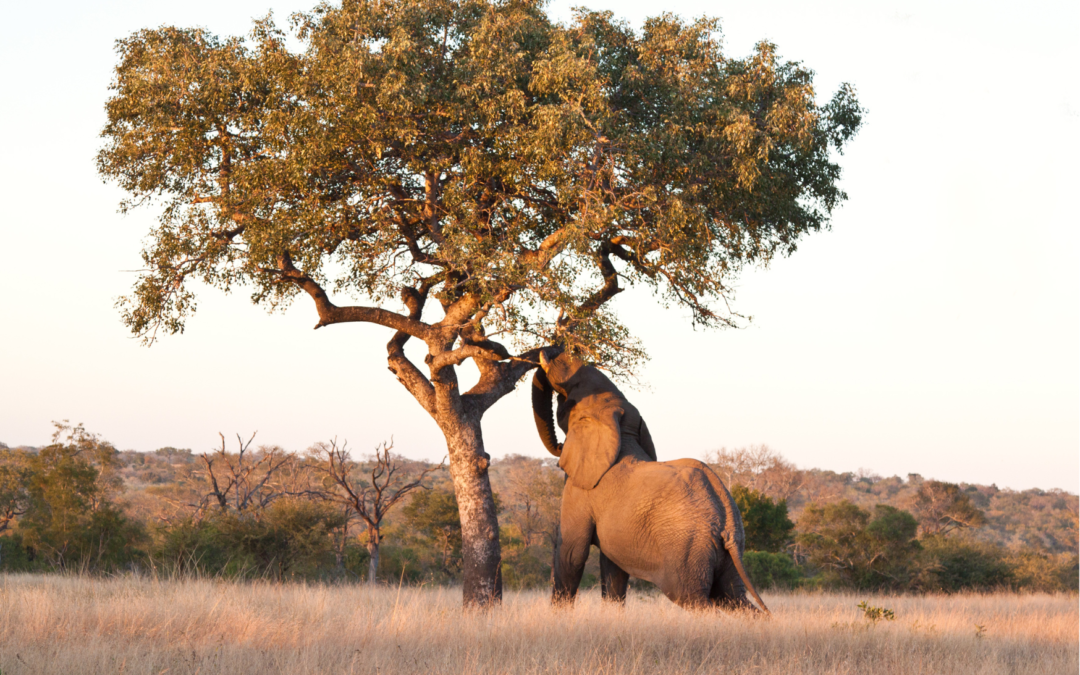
671	523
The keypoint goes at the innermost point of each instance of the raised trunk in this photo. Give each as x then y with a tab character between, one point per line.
373	554
481	555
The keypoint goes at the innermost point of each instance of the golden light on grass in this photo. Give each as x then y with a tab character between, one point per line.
55	624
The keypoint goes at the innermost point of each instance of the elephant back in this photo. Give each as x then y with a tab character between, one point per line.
636	440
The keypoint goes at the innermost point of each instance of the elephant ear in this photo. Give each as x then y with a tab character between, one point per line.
592	444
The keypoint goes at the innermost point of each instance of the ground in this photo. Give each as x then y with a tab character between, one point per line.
58	624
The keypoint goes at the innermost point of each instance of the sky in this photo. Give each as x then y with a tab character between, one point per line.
935	329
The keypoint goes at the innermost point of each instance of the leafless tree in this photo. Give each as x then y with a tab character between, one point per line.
372	495
246	481
757	467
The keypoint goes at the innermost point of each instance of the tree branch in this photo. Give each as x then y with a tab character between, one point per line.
329	313
501	378
606	292
407	373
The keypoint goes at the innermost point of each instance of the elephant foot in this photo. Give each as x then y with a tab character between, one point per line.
562	599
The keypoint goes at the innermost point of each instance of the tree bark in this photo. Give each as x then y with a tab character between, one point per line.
373	554
481	555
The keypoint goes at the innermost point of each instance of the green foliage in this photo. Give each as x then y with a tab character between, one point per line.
478	145
289	539
69	517
967	564
772	570
434	527
765	521
189	547
874	614
530	492
857	549
1033	570
523	566
70	520
14	476
16	557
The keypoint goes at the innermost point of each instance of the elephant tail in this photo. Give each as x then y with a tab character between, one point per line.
732	546
736	559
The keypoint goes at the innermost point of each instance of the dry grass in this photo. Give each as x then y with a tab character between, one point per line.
51	624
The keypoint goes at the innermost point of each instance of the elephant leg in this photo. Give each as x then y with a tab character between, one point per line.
728	590
689	591
570	559
613	580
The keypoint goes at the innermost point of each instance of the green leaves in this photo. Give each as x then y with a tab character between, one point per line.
766	522
859	548
70	516
515	163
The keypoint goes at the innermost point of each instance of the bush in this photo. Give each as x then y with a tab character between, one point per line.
766	522
963	564
771	570
523	566
1037	571
288	539
856	549
14	556
189	547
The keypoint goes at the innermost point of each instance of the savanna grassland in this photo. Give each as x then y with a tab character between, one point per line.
66	624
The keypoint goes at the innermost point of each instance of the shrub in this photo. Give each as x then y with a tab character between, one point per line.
288	539
14	556
964	564
1037	571
771	570
856	549
766	522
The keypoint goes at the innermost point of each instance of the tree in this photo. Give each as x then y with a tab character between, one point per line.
966	564
14	476
246	481
14	497
944	507
519	172
766	522
858	548
372	497
759	468
70	517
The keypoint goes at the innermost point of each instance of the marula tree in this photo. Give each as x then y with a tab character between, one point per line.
517	171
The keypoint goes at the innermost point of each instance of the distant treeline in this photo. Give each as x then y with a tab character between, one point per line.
81	505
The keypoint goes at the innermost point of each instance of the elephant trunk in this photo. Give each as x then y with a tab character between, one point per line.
543	414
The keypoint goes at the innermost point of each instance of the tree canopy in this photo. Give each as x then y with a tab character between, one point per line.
521	171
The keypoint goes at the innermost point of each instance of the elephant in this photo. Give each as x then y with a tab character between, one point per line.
672	523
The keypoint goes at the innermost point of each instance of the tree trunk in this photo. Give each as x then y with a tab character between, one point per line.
481	556
373	554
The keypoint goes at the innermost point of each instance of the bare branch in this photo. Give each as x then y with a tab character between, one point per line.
329	313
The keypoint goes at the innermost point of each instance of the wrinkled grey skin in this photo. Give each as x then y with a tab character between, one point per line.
671	523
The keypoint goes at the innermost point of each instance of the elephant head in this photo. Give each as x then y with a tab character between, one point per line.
590	410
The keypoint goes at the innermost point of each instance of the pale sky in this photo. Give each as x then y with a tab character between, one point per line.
934	330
